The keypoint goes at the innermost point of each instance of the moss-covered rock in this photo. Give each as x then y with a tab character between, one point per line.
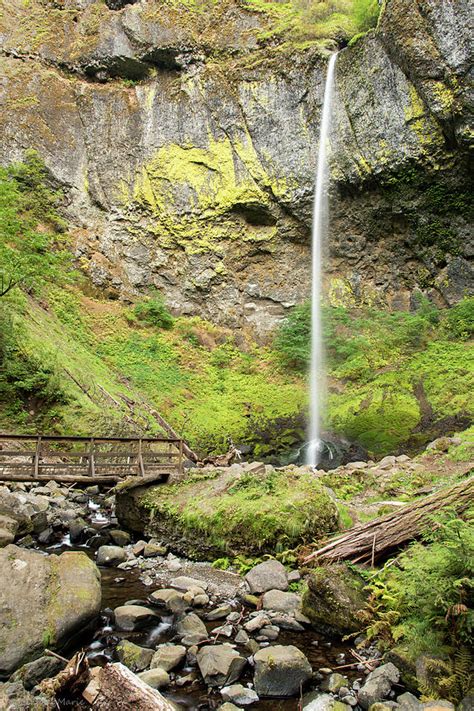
231	511
44	599
333	599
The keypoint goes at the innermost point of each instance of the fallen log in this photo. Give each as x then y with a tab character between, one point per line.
369	542
116	687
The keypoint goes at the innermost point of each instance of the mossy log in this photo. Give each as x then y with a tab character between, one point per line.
377	539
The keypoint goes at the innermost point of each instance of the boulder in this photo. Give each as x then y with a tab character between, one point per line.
270	575
156	678
220	664
184	583
110	555
32	673
6	537
241	695
408	702
14	697
280	671
256	623
467	704
152	550
378	684
119	537
133	656
168	656
171	599
218	613
316	701
280	601
43	600
333	599
191	629
133	617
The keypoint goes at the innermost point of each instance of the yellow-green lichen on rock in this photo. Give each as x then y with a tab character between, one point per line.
196	197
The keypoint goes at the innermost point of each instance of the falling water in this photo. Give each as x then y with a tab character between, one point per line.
320	223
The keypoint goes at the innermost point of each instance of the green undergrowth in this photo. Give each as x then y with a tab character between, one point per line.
307	21
75	364
273	512
425	605
395	379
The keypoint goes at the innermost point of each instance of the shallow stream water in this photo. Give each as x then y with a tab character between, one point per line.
121	586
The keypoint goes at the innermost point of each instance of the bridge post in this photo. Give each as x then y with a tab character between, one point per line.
37	457
140	458
91	459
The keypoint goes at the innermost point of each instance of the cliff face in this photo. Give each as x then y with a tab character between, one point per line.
188	150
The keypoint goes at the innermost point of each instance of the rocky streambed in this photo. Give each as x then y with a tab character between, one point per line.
205	638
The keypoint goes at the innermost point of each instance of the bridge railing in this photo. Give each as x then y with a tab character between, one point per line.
87	459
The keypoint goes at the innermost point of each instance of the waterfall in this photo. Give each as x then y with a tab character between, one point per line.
320	224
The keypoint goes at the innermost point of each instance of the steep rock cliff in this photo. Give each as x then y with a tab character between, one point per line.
187	146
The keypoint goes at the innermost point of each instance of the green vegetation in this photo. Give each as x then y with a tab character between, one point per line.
273	512
152	312
33	249
313	20
389	370
425	603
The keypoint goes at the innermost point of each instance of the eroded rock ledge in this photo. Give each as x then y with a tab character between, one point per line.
187	161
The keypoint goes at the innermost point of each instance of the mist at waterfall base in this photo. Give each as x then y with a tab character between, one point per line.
317	387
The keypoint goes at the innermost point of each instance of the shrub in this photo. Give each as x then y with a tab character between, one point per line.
153	312
459	320
27	380
292	341
427	602
33	250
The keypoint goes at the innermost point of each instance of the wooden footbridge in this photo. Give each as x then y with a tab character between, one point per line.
91	460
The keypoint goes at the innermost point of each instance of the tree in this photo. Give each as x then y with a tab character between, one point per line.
33	246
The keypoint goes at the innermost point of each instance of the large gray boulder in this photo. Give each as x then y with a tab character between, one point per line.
133	617
110	555
378	684
270	575
43	600
280	601
168	656
334	598
220	664
280	671
191	629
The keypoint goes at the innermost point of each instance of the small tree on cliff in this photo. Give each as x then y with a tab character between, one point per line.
32	240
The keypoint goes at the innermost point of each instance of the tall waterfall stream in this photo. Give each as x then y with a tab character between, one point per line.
319	231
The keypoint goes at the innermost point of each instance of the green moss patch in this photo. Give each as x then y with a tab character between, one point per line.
248	513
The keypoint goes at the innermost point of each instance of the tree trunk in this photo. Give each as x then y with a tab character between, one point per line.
369	542
116	687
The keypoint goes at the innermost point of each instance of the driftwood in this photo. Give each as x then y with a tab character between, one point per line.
74	674
222	460
369	542
116	687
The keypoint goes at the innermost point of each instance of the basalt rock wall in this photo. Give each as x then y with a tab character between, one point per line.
187	151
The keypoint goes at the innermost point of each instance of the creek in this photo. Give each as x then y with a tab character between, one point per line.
187	689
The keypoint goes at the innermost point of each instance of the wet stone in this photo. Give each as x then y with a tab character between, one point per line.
168	656
133	656
133	617
156	678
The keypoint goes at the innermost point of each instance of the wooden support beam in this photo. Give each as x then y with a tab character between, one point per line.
37	456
